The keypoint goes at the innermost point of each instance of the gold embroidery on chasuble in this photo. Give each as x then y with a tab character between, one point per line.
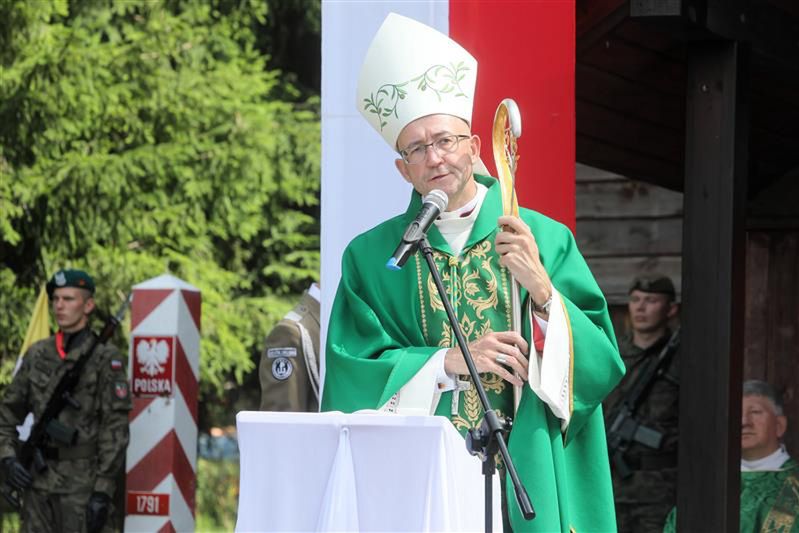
477	289
782	515
778	522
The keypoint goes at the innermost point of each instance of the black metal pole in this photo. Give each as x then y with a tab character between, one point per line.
489	466
492	427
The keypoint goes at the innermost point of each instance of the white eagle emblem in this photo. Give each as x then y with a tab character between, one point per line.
152	355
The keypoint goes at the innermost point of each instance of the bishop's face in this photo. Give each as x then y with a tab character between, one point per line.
761	428
449	172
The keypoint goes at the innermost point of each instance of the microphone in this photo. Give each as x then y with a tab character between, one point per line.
432	205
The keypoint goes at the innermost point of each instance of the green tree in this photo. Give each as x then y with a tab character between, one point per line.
144	137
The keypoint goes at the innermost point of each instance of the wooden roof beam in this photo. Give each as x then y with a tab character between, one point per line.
768	29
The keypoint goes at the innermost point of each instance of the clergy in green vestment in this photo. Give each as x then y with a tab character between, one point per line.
390	346
769	476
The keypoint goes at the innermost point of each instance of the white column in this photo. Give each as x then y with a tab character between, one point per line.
164	368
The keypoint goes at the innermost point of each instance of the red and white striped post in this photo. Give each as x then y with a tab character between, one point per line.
165	369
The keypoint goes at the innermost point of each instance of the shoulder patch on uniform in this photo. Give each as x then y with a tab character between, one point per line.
121	389
116	364
273	353
282	368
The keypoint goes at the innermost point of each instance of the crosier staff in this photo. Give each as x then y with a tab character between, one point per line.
507	129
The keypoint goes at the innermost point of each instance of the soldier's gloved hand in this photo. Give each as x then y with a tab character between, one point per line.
16	474
97	511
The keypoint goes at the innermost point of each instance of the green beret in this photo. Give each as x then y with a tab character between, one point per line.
656	283
70	278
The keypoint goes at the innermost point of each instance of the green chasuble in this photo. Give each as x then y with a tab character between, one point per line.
385	325
769	501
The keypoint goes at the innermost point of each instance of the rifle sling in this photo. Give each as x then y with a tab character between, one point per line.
55	404
649	373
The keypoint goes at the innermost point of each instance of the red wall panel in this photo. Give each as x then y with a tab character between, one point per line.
525	51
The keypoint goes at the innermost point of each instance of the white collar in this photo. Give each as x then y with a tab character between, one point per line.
471	205
770	462
456	228
314	292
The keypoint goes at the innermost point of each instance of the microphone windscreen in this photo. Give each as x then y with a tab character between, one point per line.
438	198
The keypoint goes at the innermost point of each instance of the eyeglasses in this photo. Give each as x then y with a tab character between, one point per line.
447	144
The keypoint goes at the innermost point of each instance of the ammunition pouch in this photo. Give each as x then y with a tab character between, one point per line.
82	451
61	434
626	429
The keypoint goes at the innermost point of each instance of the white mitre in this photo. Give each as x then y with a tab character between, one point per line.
411	71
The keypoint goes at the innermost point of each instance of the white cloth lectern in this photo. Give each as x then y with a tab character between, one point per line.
357	472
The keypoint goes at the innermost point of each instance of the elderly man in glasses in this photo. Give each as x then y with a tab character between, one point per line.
390	346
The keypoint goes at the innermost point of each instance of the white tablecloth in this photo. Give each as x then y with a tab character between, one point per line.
358	472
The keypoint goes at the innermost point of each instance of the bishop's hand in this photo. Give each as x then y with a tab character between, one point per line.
500	352
518	252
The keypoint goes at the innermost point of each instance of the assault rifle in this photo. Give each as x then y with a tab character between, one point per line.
48	428
624	428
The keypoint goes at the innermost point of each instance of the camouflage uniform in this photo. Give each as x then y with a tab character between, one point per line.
289	368
58	496
644	499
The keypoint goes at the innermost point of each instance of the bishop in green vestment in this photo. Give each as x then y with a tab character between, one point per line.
769	501
390	346
769	476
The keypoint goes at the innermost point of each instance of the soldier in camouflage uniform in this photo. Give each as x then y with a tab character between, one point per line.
289	369
643	499
74	492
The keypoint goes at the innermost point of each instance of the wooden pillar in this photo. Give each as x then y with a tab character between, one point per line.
713	286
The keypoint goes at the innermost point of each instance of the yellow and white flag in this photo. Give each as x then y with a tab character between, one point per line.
38	329
39	326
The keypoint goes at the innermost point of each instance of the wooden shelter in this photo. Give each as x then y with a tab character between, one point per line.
702	96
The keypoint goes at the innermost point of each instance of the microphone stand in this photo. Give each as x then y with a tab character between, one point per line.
489	438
